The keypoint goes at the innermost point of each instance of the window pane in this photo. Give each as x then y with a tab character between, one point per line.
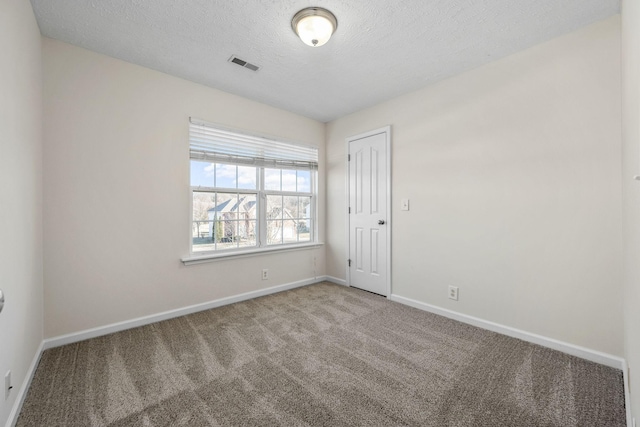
223	216
289	230
224	202
247	177
290	207
248	206
293	225
228	228
223	221
304	181
201	225
304	230
305	207
274	232
202	174
288	180
247	233
274	207
226	176
304	224
272	179
247	211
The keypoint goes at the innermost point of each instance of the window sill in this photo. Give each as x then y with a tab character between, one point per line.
199	259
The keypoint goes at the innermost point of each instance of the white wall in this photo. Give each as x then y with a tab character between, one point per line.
631	191
513	172
116	191
20	194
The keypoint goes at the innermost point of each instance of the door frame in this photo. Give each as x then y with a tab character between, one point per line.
386	130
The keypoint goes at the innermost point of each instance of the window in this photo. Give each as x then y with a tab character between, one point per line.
249	192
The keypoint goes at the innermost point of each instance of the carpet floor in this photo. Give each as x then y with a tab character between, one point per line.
320	355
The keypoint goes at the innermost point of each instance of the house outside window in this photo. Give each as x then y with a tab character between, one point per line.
249	192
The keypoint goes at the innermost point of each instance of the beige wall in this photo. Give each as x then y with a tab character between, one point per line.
513	172
116	192
631	191
20	194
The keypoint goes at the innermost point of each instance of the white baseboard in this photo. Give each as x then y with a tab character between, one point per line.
574	350
335	280
24	388
141	321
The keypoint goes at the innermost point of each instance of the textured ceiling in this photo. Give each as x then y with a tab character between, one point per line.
382	48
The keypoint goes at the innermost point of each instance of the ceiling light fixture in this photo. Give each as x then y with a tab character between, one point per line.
314	25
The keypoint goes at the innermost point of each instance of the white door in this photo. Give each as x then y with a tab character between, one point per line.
369	232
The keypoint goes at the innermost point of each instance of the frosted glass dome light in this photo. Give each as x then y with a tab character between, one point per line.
314	25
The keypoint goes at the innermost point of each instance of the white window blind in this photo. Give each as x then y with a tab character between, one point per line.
210	143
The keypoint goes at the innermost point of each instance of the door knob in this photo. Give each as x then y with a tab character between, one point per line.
381	222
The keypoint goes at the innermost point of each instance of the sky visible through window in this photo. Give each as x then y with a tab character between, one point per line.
204	174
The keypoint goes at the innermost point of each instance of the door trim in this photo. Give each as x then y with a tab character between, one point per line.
386	130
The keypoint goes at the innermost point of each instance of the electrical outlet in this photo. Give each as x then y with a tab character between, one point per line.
453	293
265	274
7	385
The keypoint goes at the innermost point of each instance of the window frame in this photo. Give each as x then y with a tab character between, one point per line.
261	213
262	245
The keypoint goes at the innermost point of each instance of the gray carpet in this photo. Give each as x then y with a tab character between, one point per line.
322	355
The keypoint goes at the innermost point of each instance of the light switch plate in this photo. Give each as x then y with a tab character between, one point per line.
404	204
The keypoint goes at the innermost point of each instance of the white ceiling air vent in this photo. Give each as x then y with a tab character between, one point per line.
243	63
